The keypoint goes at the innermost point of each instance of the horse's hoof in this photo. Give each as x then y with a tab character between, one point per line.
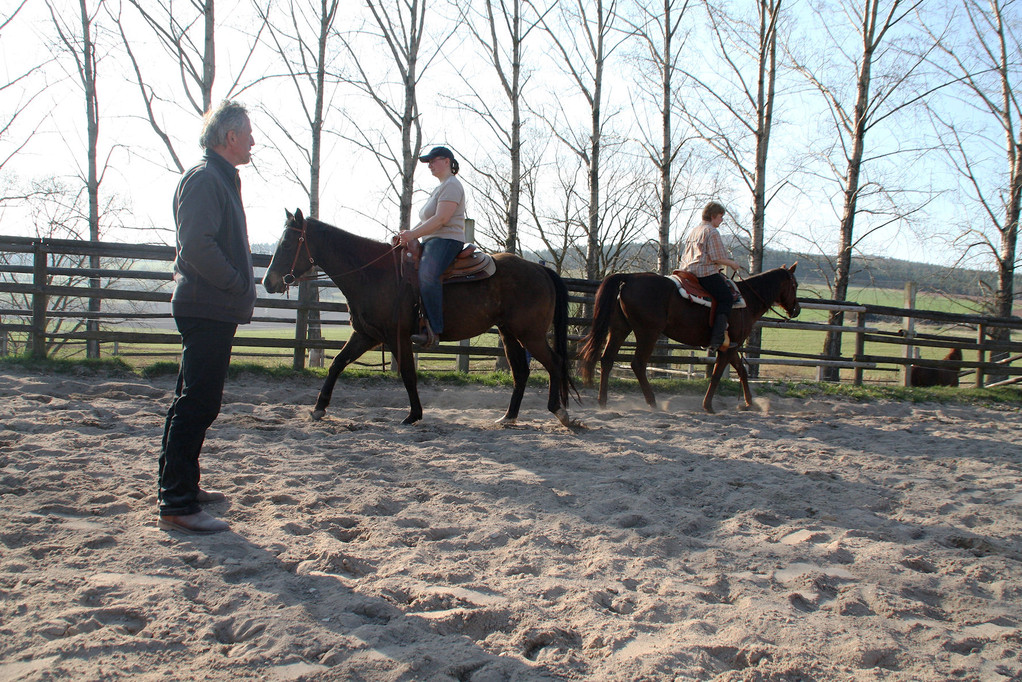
744	408
410	419
317	414
709	409
506	421
562	416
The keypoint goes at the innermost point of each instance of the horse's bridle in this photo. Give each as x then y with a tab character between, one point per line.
303	240
771	306
290	277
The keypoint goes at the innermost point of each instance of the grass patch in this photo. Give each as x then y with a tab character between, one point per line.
81	367
1001	395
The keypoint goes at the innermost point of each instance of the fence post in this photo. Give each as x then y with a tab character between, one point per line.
95	305
302	324
463	360
859	320
39	300
981	353
910	331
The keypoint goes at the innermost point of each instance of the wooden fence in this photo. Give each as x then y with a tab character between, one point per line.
45	287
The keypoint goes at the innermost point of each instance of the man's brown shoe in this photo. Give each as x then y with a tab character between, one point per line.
209	496
199	523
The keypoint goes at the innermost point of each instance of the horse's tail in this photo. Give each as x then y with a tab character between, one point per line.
561	335
592	345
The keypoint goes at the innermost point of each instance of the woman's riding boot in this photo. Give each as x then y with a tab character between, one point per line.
717	335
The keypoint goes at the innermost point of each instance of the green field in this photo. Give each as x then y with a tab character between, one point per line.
804	342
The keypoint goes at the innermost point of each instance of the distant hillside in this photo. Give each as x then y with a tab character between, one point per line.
889	273
884	273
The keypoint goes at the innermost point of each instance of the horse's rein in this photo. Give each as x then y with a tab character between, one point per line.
290	277
768	306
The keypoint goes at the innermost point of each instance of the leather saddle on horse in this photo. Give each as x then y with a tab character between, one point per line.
690	288
470	265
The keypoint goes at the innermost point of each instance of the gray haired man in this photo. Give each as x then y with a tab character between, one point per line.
214	292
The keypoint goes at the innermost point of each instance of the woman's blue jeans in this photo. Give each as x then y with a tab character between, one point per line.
437	255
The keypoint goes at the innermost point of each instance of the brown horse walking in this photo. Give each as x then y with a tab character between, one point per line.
649	305
921	375
522	299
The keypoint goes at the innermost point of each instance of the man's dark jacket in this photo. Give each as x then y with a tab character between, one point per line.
213	268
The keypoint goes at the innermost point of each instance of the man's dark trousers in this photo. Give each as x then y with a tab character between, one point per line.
205	357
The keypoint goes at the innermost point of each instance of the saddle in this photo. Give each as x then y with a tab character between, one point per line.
690	289
469	265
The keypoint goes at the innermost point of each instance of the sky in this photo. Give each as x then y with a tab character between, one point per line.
139	175
356	195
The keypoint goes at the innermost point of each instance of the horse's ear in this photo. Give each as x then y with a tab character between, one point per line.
792	268
298	216
287	213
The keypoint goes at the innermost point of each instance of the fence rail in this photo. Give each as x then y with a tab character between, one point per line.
50	281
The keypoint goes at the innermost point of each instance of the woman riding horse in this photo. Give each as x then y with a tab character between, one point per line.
521	299
704	256
441	230
649	305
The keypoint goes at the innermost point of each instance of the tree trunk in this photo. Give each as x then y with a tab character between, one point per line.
832	345
208	57
92	116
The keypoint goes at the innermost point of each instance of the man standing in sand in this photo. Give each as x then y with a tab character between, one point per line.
214	292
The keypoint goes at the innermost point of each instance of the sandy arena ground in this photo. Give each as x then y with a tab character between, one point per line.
811	540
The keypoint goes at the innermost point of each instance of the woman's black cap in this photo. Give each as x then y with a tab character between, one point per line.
437	153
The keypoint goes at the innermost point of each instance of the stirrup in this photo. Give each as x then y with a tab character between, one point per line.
724	345
426	339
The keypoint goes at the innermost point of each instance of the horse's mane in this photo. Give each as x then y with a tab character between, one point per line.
765	282
359	248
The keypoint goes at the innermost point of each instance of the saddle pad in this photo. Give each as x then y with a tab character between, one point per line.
689	288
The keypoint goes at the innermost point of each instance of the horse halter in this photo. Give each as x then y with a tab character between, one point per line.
771	306
290	277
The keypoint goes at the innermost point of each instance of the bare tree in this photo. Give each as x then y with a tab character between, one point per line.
302	42
18	95
661	45
398	28
563	226
78	43
734	112
982	137
492	199
587	36
501	29
187	38
876	96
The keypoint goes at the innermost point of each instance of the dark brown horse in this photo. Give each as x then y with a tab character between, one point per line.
522	300
649	305
920	375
